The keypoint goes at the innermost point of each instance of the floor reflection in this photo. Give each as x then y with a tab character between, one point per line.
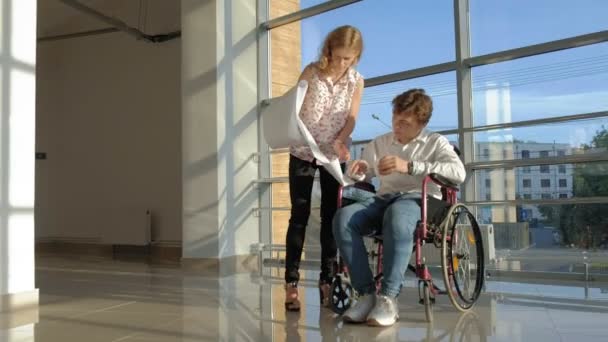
100	300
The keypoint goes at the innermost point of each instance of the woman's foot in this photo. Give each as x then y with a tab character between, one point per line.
292	303
324	293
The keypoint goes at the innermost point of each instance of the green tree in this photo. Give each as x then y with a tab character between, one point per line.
589	180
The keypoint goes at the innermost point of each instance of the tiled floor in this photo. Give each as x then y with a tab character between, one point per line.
98	300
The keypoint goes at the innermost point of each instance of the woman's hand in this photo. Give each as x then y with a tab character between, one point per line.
358	169
341	150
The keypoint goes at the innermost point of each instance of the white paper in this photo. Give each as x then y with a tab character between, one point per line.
280	118
283	127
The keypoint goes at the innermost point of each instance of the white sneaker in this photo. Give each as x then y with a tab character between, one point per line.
384	313
358	312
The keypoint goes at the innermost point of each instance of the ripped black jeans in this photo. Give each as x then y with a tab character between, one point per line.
301	178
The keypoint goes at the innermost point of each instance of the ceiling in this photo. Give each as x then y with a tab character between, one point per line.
149	16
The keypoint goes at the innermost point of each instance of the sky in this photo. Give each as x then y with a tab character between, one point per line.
400	35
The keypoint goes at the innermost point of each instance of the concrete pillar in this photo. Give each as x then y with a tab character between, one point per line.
219	130
17	148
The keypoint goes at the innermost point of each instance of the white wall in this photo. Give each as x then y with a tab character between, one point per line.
219	85
17	127
108	117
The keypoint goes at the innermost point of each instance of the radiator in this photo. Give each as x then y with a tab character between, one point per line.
126	226
487	233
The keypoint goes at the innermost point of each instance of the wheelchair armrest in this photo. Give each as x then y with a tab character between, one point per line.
442	181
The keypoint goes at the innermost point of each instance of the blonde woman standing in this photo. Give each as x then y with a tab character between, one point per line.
329	112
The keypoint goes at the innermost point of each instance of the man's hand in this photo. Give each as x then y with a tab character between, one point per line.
358	169
390	164
341	150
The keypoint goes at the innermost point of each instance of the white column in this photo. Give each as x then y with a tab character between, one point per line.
219	128
17	148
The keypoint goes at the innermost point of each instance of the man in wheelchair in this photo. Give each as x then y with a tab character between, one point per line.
400	159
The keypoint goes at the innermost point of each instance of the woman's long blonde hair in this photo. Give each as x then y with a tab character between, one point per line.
348	37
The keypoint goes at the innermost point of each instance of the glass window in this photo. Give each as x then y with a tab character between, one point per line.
488	182
582	183
519	22
563	195
544	154
452	138
526	169
376	110
527	196
545	196
567	82
514	229
561	153
391	43
561	168
488	197
573	137
544	169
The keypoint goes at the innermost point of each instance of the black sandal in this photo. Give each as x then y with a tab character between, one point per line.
324	293
292	303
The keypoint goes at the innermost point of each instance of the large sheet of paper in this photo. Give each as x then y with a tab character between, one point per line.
283	127
280	118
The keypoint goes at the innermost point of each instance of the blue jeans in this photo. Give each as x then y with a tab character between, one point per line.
396	216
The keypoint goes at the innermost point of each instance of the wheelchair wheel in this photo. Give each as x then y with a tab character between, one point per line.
428	302
462	257
341	295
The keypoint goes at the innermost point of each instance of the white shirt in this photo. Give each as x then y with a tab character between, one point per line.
430	153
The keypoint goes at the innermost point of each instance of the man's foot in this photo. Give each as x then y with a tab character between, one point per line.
385	312
358	312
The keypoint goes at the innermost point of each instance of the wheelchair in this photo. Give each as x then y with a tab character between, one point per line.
445	224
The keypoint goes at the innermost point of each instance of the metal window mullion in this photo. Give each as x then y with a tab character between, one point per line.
569	159
537	49
272	180
264	81
515	124
306	13
556	201
536	122
279	150
264	196
464	88
410	74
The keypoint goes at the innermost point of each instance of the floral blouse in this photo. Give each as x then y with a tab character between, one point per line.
324	111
